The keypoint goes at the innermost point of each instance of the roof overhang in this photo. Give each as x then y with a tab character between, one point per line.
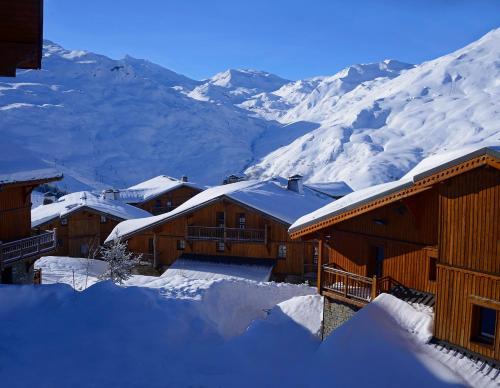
200	206
21	35
421	182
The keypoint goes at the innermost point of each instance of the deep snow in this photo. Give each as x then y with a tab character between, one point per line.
185	332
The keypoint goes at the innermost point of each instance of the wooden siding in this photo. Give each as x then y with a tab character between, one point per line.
454	301
406	230
470	218
167	235
15	213
83	227
176	197
21	23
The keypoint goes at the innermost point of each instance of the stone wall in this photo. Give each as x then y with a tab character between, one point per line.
22	272
335	313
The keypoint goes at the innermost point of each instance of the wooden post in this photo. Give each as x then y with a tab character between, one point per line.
374	287
320	263
345	285
155	263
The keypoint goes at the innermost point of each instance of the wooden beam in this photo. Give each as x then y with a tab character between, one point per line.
320	264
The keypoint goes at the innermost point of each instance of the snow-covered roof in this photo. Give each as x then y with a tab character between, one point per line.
152	188
269	196
84	199
47	175
426	167
333	189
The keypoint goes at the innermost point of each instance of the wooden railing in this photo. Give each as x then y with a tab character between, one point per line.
27	247
214	233
348	285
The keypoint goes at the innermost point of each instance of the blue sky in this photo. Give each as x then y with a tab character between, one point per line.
294	39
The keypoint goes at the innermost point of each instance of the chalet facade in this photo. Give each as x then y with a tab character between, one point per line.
431	237
19	248
21	35
83	221
239	222
157	195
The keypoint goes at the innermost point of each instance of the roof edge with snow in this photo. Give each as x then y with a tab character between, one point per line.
303	225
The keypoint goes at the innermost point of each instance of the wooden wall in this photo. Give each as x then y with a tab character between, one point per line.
21	24
469	255
167	235
15	213
176	197
83	227
407	231
470	218
458	289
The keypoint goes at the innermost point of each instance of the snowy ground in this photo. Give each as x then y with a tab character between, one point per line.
225	332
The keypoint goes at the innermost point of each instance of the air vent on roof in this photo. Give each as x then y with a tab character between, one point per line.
184	178
233	179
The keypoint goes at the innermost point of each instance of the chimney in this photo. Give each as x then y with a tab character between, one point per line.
108	194
49	198
116	194
184	178
295	184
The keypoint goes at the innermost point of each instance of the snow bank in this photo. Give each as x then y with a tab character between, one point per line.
79	273
112	336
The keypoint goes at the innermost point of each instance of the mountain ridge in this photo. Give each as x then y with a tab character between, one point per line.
108	122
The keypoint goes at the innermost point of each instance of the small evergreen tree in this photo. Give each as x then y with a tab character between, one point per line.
120	261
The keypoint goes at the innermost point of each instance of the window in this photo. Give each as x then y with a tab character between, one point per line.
220	246
220	220
432	268
241	220
84	249
315	255
64	221
151	246
169	204
484	322
282	251
103	219
181	245
158	203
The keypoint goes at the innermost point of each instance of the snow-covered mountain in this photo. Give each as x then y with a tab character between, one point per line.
116	122
378	129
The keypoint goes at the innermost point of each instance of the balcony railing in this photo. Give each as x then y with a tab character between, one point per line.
348	285
214	233
27	247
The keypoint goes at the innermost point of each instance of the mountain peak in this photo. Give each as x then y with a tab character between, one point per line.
249	79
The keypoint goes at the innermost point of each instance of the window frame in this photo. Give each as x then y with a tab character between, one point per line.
64	221
103	219
476	335
282	251
181	245
220	246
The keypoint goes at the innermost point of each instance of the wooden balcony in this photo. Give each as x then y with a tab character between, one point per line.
214	233
347	286
27	248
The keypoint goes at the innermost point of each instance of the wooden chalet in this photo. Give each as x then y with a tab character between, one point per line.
157	195
242	222
83	221
19	248
431	237
21	35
